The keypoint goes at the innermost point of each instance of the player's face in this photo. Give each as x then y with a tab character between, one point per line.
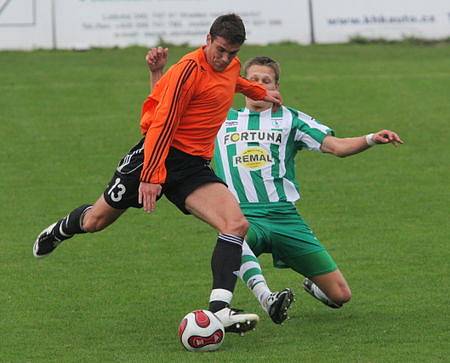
219	52
265	76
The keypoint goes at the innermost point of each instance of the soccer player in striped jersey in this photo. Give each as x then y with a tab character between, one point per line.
179	122
255	155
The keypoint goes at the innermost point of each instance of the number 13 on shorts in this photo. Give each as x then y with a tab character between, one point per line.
117	191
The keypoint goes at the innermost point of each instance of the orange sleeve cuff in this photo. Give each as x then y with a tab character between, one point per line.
250	89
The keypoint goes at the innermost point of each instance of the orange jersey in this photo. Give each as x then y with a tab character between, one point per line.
186	109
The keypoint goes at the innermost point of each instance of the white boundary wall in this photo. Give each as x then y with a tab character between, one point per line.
67	24
26	24
338	21
145	22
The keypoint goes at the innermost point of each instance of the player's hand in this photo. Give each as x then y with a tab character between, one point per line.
148	193
386	137
274	97
156	58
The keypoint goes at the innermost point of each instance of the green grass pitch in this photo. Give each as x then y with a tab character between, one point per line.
66	118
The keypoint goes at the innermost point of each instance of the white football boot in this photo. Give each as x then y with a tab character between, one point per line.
237	321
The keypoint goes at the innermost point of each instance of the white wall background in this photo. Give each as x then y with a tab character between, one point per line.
144	22
338	21
30	24
25	24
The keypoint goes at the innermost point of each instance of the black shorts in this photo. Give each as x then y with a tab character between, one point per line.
185	173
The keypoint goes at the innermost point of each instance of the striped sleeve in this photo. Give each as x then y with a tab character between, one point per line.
309	133
172	104
250	89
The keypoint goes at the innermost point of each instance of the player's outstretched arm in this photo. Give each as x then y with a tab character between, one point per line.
156	59
343	147
257	92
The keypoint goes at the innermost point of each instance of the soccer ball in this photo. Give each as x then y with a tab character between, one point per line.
201	331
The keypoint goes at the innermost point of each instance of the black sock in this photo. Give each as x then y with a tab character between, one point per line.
66	227
226	259
215	306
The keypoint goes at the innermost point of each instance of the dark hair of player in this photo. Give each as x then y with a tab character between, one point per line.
229	27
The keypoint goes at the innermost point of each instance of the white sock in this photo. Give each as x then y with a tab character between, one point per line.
221	295
251	273
262	292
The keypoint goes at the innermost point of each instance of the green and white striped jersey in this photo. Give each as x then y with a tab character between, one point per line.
255	152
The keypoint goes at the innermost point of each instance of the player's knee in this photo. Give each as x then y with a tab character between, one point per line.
341	295
345	297
237	226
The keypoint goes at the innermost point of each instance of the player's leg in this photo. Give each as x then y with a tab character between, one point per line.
215	205
295	245
323	279
100	216
120	194
251	274
331	288
276	304
86	218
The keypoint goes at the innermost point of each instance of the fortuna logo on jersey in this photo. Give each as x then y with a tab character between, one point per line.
273	137
253	158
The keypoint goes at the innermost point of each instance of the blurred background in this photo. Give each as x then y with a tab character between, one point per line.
81	24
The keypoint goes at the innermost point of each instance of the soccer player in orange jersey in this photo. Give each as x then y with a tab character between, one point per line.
179	122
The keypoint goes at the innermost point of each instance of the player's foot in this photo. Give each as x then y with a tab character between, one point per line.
278	304
45	243
237	321
309	286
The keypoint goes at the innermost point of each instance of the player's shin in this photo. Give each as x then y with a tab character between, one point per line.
70	225
65	228
251	273
225	264
225	261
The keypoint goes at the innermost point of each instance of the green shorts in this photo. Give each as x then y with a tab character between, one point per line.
277	228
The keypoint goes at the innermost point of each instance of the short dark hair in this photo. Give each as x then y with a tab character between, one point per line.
264	61
229	27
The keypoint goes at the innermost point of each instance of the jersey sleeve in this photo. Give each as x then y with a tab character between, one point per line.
250	89
165	117
309	133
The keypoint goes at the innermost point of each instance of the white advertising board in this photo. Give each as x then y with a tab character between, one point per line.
105	23
25	24
31	24
338	21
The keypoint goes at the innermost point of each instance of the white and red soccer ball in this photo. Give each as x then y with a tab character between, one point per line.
201	331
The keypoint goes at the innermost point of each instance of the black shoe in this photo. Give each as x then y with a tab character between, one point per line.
45	243
237	321
278	305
